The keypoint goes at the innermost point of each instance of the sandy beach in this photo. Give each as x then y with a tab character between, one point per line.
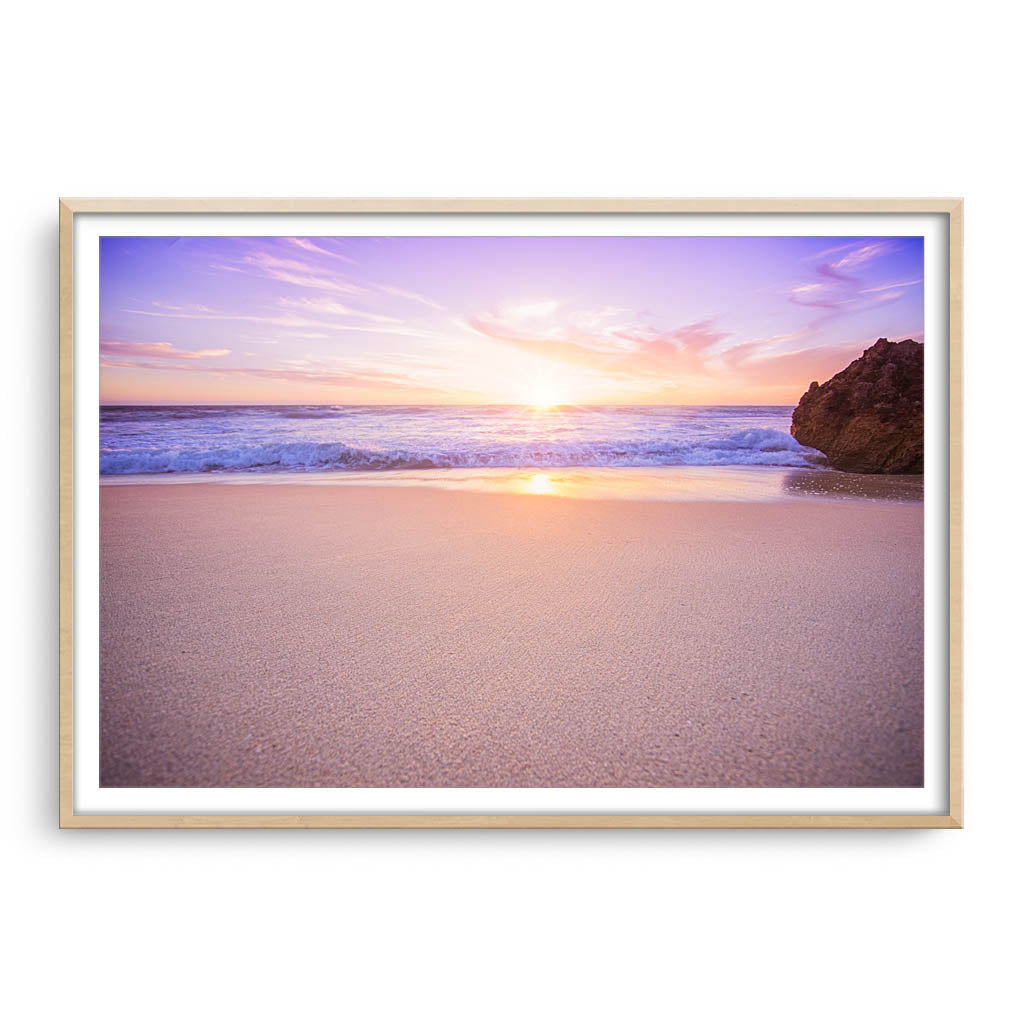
297	635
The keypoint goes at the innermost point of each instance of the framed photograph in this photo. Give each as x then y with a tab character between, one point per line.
510	513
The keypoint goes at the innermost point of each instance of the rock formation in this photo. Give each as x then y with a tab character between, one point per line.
870	417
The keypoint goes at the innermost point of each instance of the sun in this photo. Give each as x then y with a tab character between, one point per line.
543	395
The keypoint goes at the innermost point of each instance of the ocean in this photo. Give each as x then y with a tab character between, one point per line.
296	439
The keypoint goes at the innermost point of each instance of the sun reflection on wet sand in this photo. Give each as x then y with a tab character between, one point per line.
675	483
539	483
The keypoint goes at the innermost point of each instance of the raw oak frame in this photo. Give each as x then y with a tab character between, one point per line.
951	207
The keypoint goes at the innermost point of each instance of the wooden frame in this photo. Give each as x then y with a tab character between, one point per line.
952	208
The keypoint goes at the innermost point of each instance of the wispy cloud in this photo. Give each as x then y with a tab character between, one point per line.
862	254
182	309
299	273
856	252
333	373
404	293
333	378
531	310
332	309
310	246
278	262
156	350
890	287
822	294
298	325
270	319
836	283
261	261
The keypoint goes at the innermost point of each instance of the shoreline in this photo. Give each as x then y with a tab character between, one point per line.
418	636
662	483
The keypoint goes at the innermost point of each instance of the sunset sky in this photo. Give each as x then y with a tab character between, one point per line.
536	320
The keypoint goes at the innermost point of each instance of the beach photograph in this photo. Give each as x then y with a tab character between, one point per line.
514	511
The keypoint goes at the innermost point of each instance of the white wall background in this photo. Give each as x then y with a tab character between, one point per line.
529	98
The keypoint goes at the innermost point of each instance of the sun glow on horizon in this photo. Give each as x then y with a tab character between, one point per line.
544	395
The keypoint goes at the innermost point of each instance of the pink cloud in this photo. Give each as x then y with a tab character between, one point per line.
625	350
156	350
692	353
855	253
309	373
752	364
335	378
862	254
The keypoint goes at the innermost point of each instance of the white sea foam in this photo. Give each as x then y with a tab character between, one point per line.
141	440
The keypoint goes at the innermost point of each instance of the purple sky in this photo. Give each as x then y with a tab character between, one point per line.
500	319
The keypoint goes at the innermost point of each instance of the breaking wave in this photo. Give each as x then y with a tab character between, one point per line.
752	447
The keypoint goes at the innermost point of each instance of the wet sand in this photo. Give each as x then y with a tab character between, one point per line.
298	635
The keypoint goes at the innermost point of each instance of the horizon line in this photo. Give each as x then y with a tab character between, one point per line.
446	405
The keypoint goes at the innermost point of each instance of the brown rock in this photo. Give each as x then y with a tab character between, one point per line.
870	417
